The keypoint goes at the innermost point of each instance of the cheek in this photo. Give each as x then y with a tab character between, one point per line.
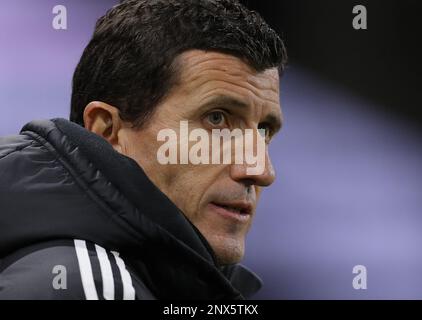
142	147
184	185
191	183
190	186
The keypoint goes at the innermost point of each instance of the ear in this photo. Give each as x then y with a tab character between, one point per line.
103	120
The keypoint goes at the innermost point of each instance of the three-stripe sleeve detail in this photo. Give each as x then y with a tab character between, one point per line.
114	273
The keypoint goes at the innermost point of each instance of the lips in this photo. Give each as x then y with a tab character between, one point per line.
237	210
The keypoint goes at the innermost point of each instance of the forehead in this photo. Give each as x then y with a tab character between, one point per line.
206	74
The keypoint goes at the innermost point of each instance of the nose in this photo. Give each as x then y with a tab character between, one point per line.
265	178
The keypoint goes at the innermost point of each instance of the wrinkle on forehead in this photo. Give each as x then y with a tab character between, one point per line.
203	72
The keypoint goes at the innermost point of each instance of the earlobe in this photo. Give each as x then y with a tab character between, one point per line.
103	120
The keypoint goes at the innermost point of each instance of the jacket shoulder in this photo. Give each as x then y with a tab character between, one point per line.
68	269
11	144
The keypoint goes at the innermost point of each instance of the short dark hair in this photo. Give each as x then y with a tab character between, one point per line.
129	61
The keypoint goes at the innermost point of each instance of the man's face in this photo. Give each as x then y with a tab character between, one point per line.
214	91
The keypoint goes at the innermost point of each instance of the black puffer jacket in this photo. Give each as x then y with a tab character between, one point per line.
80	221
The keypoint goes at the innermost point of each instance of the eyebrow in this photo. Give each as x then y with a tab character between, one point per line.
224	101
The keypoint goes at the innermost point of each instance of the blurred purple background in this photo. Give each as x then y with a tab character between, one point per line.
349	181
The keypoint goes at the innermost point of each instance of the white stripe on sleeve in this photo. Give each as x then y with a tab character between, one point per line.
106	273
128	289
86	270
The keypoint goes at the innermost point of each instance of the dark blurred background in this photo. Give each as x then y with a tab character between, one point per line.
382	63
348	160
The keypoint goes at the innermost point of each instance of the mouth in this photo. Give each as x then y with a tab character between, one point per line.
237	210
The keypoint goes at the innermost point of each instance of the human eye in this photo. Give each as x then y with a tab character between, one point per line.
216	118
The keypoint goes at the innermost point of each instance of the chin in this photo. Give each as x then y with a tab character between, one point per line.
228	250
